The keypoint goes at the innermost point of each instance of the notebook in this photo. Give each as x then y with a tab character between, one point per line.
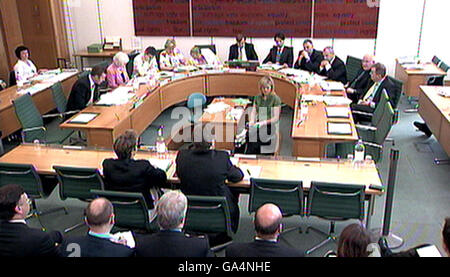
337	112
83	118
339	128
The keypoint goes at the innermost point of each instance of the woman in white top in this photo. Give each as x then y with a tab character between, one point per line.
24	68
145	64
171	57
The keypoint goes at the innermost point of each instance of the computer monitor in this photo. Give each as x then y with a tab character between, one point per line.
248	65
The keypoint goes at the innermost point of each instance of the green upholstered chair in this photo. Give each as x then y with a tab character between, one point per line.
353	66
334	202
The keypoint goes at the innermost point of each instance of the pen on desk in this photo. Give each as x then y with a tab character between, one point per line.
118	118
249	173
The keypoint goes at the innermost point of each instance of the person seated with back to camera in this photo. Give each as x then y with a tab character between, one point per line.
98	242
171	57
264	117
145	63
116	73
203	56
268	228
171	241
130	175
204	171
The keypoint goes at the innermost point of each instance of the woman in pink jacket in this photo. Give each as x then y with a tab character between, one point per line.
116	74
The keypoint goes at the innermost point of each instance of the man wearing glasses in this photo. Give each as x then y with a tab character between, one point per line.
16	238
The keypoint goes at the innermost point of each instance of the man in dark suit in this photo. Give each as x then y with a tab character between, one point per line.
280	54
85	90
268	228
362	81
333	67
16	238
309	59
242	50
368	101
171	241
98	242
203	172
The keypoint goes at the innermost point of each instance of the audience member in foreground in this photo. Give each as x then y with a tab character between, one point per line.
268	227
170	241
99	216
130	175
354	242
16	238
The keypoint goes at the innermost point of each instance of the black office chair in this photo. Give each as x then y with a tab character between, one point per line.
158	55
353	66
438	80
212	47
130	64
436	60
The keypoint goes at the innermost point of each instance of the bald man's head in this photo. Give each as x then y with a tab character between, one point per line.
367	61
99	212
267	220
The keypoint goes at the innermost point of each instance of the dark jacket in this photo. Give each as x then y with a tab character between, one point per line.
205	173
19	240
133	176
81	94
392	90
172	244
261	248
311	65
338	71
287	56
90	246
249	52
361	84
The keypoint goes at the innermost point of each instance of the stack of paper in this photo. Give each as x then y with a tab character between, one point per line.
35	88
164	74
60	77
217	107
312	97
407	60
119	96
338	112
429	251
275	67
336	100
83	118
161	164
332	86
295	72
250	171
414	66
337	128
185	68
216	71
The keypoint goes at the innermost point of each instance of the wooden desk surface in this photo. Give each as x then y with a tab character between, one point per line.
343	171
442	103
103	54
429	69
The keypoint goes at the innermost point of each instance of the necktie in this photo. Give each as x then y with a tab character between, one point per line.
371	93
278	55
240	53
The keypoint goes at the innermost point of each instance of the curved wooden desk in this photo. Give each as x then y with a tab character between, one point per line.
114	120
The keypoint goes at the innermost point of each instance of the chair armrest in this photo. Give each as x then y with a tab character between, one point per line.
34	129
52	115
365	127
373	144
362	113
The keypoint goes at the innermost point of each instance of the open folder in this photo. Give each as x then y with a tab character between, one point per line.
83	118
339	128
337	112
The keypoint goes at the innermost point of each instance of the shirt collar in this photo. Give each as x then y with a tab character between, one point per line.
268	240
91	81
102	235
18	221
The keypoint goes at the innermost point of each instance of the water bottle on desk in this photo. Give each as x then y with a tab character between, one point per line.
358	157
160	143
37	145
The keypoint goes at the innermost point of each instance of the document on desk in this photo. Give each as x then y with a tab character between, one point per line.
295	72
336	100
128	236
337	112
312	97
272	66
332	86
444	91
161	164
83	118
250	171
413	66
119	96
35	88
339	128
60	77
429	252
217	107
407	60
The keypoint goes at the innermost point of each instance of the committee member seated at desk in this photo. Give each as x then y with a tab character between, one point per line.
98	242
128	174
268	227
333	67
145	63
203	171
85	90
171	241
116	73
16	238
368	101
24	69
309	59
362	81
242	50
280	54
171	57
203	57
264	118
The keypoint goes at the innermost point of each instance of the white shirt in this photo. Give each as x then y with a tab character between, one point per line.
24	70
143	68
92	86
244	54
328	66
210	57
